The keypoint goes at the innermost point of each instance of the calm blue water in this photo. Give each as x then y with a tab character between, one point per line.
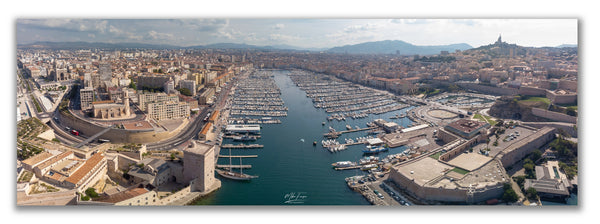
288	166
571	200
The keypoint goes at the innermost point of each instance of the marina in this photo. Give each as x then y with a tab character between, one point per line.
343	99
288	164
257	95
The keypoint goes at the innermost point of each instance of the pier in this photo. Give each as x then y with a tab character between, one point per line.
238	156
336	134
234	166
241	146
347	168
232	136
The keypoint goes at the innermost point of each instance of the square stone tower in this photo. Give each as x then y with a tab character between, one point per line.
199	166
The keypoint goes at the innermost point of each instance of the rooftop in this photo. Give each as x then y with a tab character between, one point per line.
198	148
37	158
55	159
121	196
85	168
466	125
423	170
137	125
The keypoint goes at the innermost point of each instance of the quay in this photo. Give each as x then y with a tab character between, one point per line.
347	168
234	166
232	136
338	133
238	156
241	146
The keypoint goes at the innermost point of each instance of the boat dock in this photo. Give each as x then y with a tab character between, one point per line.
238	156
241	146
234	166
336	134
347	168
232	136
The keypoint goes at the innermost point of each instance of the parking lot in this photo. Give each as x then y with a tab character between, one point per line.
510	136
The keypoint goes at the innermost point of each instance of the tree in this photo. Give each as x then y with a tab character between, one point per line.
132	84
185	91
536	155
509	194
91	192
520	180
531	193
529	170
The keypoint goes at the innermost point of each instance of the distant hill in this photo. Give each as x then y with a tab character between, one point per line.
88	45
566	45
289	47
392	46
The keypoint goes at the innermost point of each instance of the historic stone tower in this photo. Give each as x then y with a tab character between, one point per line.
199	167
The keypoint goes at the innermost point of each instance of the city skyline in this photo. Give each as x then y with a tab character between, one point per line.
303	33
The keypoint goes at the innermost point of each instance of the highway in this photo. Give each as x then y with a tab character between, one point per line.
184	136
192	130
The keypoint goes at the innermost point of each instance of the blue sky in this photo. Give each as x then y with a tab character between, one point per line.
307	33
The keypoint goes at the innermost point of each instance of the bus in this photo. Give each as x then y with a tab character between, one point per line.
207	117
75	132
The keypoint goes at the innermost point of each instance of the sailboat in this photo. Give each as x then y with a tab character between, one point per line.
230	174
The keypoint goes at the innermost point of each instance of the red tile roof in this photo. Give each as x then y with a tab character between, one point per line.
85	168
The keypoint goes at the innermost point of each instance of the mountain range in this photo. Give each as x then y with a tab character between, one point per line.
376	47
396	46
81	44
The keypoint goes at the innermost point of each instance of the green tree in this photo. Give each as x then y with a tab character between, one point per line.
531	193
185	91
536	155
520	180
529	170
132	84
91	192
509	194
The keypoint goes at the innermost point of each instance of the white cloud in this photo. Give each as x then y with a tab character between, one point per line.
159	36
361	28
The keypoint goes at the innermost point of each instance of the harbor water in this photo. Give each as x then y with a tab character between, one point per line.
291	170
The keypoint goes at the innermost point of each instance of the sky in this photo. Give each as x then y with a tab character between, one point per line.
304	33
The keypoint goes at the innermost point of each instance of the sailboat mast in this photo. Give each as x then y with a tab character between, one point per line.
230	169
241	168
